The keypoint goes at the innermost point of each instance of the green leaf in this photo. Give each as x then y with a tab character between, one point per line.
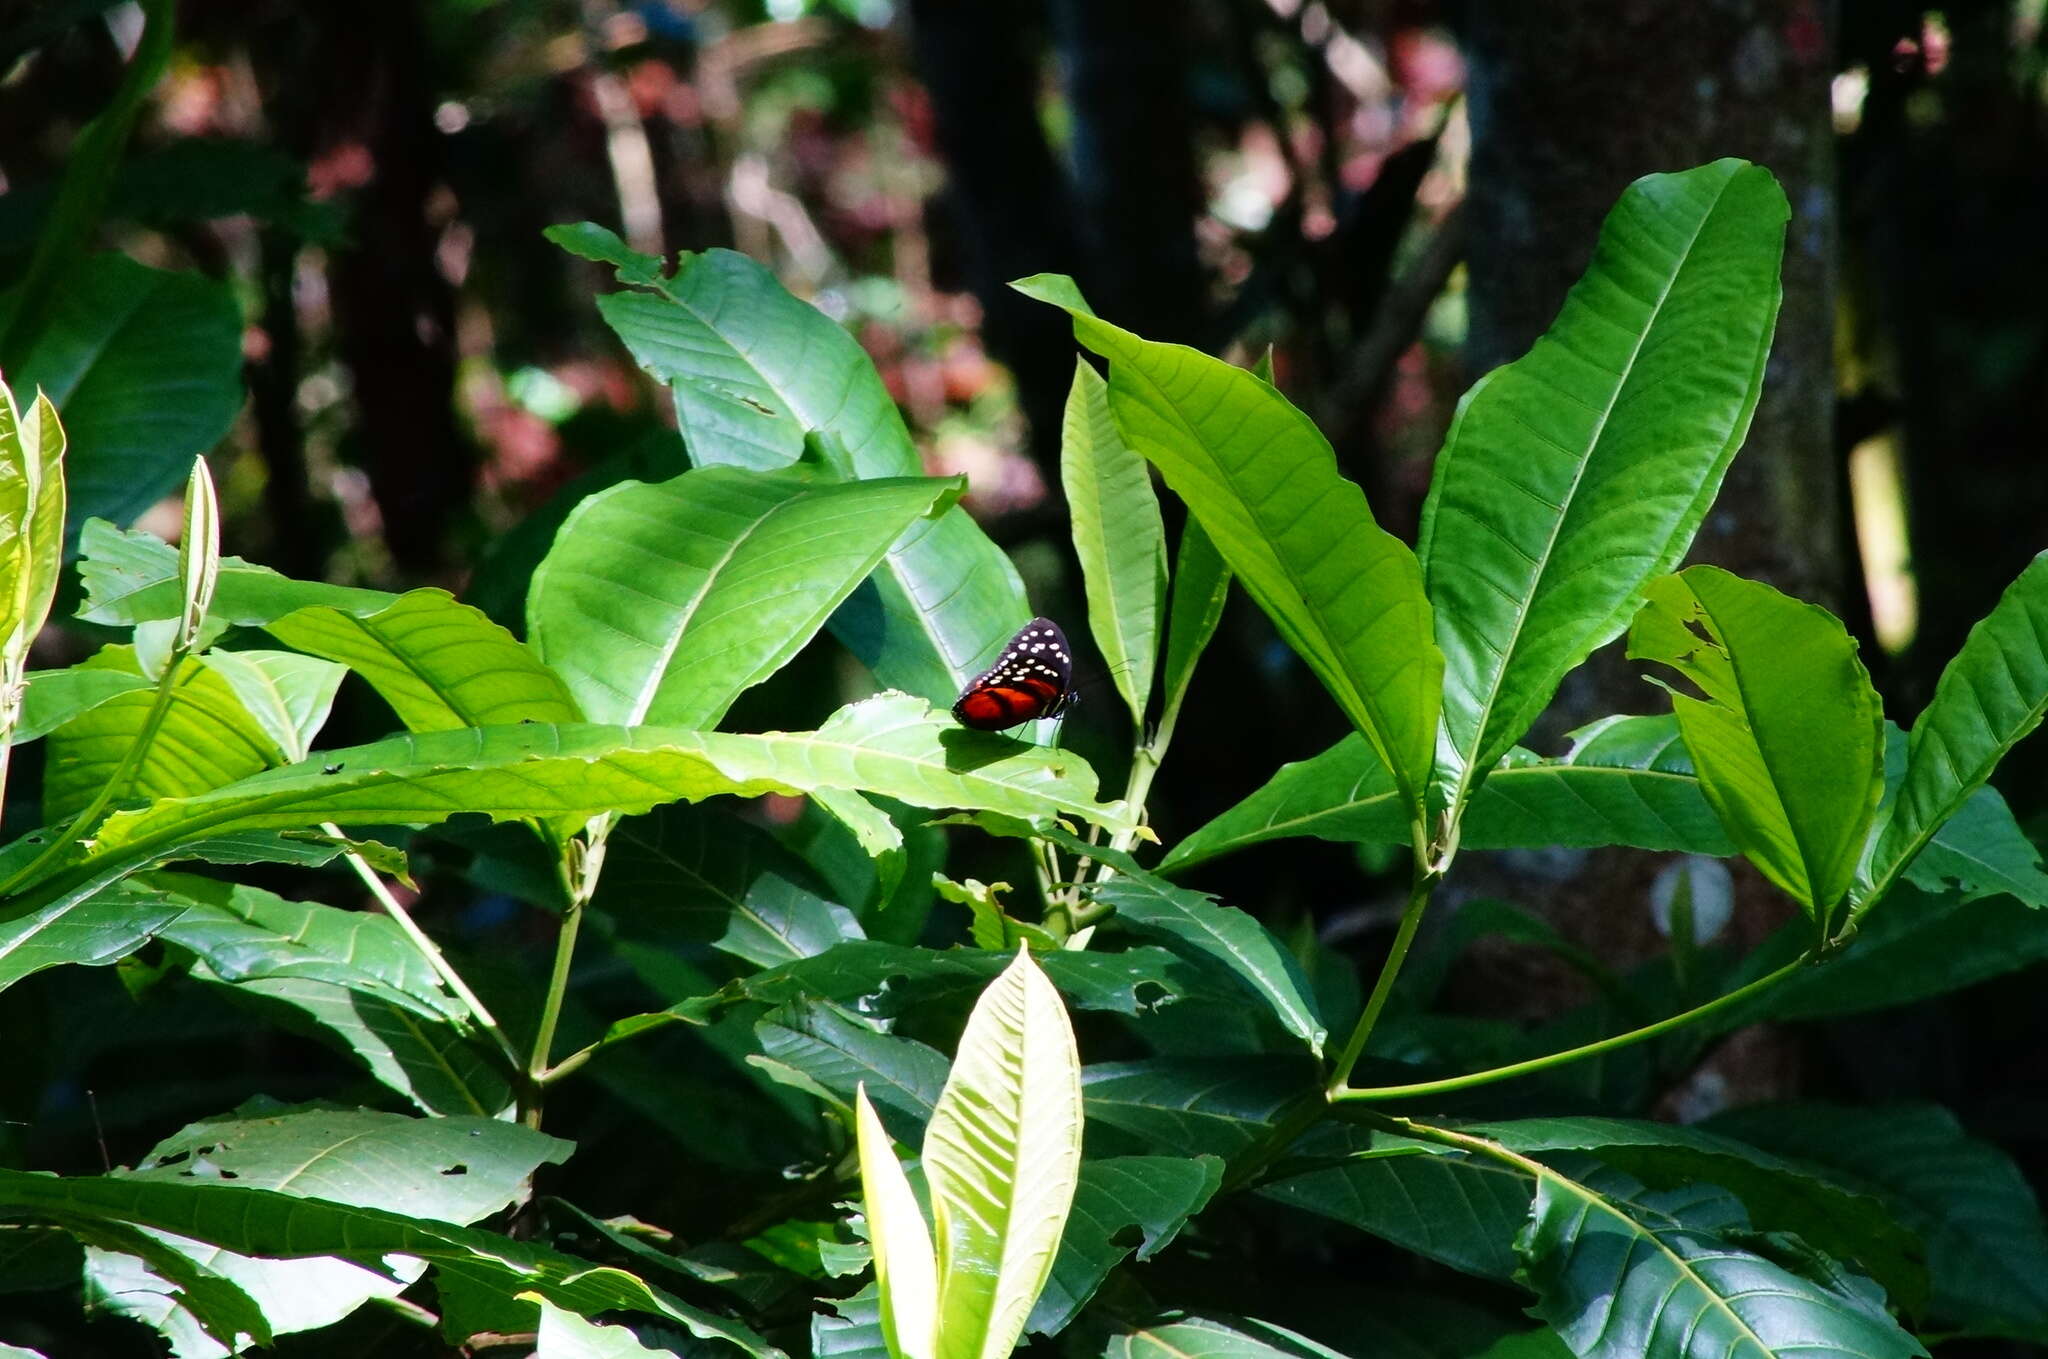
1987	1248
1345	593
761	379
439	664
31	523
1002	1155
1201	584
834	1048
264	1222
1194	1336
1193	1107
198	555
564	1335
206	740
1991	693
56	696
1623	781
684	874
447	1169
1155	1194
890	744
1644	1285
1118	538
146	366
1192	924
1789	739
132	577
101	929
288	695
906	1268
1575	474
663	603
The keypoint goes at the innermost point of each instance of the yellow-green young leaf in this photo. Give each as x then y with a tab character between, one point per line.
1788	741
1002	1156
31	519
906	1271
1118	537
198	552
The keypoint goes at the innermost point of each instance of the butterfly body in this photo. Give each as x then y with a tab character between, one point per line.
1033	678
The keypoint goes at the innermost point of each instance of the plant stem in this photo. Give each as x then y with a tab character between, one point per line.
1451	1084
580	864
428	949
131	760
1419	888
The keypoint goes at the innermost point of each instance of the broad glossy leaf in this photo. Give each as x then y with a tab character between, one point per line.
264	1222
834	1048
1345	593
760	379
1575	474
1191	923
1623	781
1001	1156
146	367
207	739
682	874
31	519
1991	694
1155	1194
1118	537
289	695
103	928
438	663
1643	1285
889	979
1195	1107
1788	740
56	696
1185	1336
1987	1248
132	577
564	1335
663	603
906	1267
1778	1195
447	1169
849	1328
1977	851
890	744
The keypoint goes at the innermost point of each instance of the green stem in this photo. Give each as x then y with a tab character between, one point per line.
1419	888
428	949
1452	1084
580	864
131	760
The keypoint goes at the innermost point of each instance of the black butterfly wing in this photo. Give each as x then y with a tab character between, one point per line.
1033	678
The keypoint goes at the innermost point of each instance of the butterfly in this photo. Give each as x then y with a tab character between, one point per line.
1033	678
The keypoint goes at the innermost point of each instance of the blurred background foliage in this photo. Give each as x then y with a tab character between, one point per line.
1391	194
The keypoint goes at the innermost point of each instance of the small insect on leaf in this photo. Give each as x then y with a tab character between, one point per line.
1033	678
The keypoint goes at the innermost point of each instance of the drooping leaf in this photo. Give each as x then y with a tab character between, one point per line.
1193	1107
1991	693
834	1048
1623	781
1196	1336
1002	1155
761	379
1789	738
1575	474
1118	538
438	663
564	1335
1345	593
100	929
1987	1247
1155	1194
264	1222
447	1169
288	695
1618	1284
1192	923
663	603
